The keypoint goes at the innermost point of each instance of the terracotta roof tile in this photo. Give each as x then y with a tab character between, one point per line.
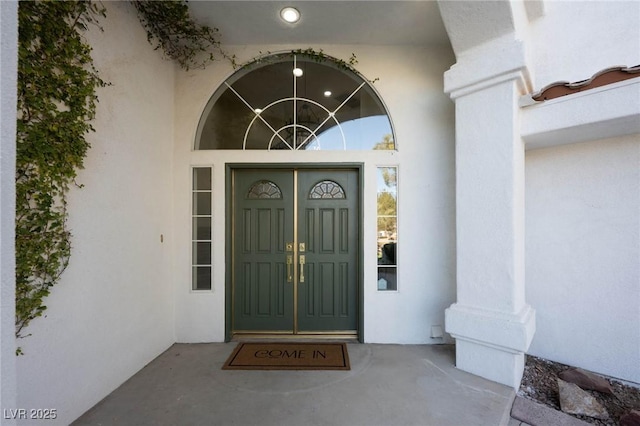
601	78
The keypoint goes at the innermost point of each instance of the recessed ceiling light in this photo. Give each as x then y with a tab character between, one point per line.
327	93
290	15
297	72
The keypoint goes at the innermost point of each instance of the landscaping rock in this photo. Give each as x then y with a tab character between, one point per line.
632	418
574	400
586	380
539	383
536	414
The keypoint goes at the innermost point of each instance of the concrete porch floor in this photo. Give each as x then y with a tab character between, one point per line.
387	385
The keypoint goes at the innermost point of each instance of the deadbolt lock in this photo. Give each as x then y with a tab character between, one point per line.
289	247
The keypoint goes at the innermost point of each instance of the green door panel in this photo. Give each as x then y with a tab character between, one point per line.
263	224
323	292
328	226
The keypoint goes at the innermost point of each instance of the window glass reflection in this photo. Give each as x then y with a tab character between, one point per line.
266	107
387	279
202	178
201	228
201	278
387	227
202	203
201	222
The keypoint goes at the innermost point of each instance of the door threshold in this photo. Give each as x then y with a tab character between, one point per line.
310	337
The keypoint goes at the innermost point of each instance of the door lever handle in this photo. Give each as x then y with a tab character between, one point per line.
289	263
302	262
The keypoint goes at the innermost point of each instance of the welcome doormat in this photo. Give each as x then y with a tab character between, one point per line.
288	356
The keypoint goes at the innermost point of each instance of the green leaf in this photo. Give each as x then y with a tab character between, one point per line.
57	85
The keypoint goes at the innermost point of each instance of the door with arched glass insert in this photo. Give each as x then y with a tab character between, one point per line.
295	251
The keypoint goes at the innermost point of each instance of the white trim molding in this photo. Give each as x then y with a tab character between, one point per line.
604	112
487	65
512	332
491	342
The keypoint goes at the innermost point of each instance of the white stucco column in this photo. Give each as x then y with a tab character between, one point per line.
492	324
8	82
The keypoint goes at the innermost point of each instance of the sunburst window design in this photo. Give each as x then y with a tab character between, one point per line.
295	102
326	189
264	189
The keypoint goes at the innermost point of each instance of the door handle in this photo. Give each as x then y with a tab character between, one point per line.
302	262
289	263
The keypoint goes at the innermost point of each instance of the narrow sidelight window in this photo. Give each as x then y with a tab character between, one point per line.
387	228
201	229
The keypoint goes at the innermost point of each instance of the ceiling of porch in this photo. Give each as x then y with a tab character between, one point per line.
413	23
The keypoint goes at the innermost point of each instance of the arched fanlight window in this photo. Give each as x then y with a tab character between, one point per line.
326	189
295	102
264	189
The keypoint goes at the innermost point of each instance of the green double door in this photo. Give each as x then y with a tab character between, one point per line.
295	251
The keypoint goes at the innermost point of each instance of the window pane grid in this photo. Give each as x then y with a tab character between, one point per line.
201	232
290	113
387	224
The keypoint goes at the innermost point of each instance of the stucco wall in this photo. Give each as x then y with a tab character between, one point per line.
583	200
582	254
575	39
410	83
8	62
112	312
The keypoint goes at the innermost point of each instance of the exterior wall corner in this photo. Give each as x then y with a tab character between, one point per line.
8	83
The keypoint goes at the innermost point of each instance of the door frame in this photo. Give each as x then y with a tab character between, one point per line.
229	169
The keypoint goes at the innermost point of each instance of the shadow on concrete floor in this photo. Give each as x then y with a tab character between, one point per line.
387	385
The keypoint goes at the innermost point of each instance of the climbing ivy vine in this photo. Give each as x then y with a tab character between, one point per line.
56	101
314	55
170	27
317	56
